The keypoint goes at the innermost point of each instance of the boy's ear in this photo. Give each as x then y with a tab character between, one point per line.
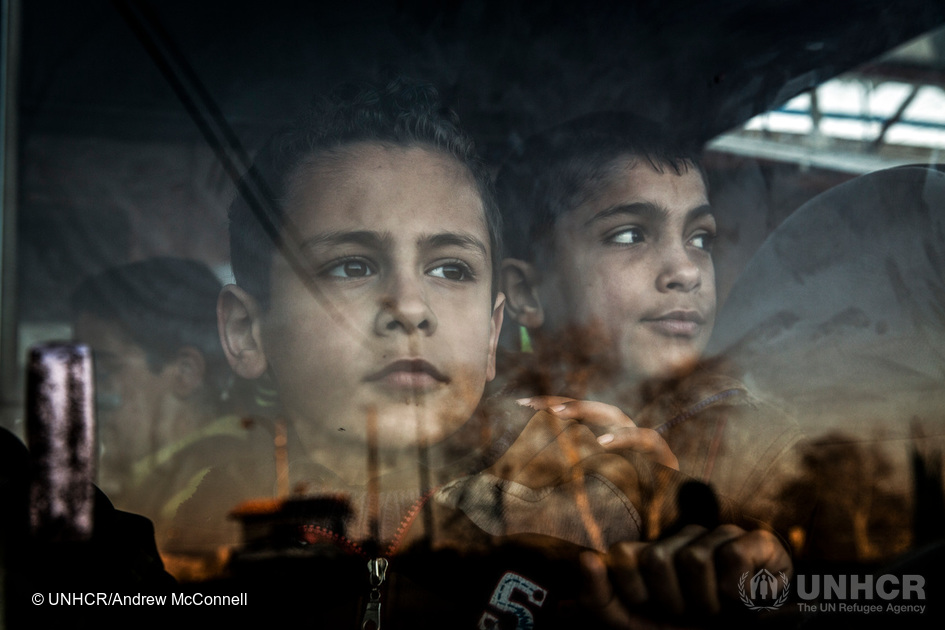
520	285
238	319
190	369
498	313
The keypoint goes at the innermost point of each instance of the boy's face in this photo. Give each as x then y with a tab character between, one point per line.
633	264
395	319
132	399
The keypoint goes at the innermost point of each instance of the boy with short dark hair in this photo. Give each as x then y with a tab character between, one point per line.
380	307
611	277
609	233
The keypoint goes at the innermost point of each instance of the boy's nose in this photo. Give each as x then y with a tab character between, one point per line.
403	306
678	272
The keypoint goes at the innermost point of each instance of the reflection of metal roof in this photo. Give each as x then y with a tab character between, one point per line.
889	113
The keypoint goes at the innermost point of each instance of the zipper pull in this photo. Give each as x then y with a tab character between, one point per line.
377	568
377	572
372	614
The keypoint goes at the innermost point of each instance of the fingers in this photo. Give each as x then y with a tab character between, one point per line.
597	594
694	571
751	551
646	442
658	567
542	403
624	562
599	600
647	572
690	573
621	433
590	412
697	569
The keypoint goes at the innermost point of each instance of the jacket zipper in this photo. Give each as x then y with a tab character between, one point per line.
377	566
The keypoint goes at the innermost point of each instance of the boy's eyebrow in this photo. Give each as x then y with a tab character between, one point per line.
377	240
698	212
646	210
453	239
366	238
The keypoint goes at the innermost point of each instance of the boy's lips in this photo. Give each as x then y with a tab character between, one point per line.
679	323
417	374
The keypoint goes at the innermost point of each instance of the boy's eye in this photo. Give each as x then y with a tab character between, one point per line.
703	241
628	236
452	271
353	268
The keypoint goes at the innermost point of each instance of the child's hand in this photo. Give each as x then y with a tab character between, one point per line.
691	573
616	430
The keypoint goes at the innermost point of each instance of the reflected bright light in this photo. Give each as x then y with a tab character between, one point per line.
850	129
929	105
916	136
853	109
843	97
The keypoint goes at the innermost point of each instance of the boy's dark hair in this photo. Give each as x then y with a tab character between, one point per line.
559	169
402	113
162	304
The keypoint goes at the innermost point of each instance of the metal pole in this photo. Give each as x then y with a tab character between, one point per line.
10	390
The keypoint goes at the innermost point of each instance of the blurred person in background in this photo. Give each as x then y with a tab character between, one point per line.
164	391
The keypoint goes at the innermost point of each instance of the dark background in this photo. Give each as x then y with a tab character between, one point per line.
508	67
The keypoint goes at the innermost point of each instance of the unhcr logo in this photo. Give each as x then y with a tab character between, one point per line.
887	587
858	594
765	592
896	594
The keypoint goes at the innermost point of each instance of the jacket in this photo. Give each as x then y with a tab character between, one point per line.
494	542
